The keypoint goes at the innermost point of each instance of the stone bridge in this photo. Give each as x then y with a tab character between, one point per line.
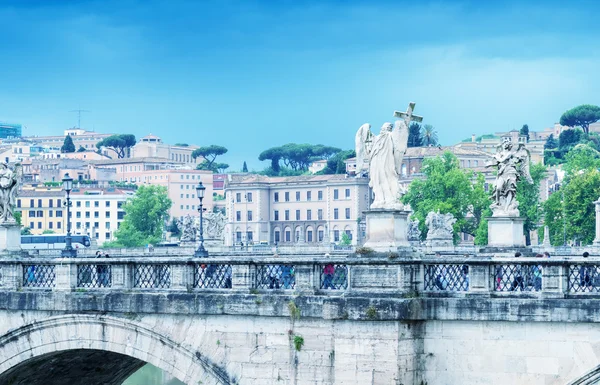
410	319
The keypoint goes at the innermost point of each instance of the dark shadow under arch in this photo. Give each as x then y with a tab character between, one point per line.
73	367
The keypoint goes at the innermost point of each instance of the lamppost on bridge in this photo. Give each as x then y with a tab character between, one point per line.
200	251
68	251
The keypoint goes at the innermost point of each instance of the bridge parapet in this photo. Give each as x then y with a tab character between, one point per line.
309	274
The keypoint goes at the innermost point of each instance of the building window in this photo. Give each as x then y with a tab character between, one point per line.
87	203
308	196
238	236
107	236
287	215
39	225
336	214
238	197
58	225
31	225
276	197
347	213
107	225
297	215
277	239
96	214
320	214
276	215
121	215
336	194
78	204
50	202
18	203
107	214
77	214
336	235
249	237
287	196
39	203
87	214
347	193
107	203
40	213
320	195
249	197
50	225
238	216
50	213
309	236
297	196
349	234
96	225
59	213
249	215
320	235
308	215
31	213
288	236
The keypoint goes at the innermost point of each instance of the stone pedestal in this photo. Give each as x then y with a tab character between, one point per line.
10	237
506	232
386	229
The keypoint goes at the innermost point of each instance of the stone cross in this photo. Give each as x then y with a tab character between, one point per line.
408	115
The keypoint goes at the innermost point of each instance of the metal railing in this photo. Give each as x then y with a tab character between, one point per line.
584	278
333	277
39	276
275	276
518	277
442	277
212	276
94	276
152	276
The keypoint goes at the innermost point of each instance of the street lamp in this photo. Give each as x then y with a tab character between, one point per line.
200	251
68	251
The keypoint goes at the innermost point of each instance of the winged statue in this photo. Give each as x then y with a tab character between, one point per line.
10	179
513	165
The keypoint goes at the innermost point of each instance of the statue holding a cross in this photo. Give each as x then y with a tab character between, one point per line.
381	155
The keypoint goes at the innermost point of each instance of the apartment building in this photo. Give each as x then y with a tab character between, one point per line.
98	212
179	179
294	210
81	138
42	210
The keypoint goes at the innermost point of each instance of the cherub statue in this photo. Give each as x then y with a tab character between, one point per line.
188	229
513	165
439	226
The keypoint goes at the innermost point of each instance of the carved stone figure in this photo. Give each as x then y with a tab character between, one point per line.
439	226
414	234
213	224
513	165
188	229
10	180
382	155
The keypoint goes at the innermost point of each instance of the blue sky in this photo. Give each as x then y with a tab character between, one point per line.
255	74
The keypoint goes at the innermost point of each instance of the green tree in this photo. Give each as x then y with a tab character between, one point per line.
68	145
525	131
429	135
581	116
145	214
18	216
569	139
336	164
414	135
296	157
214	167
120	143
209	153
528	196
449	189
25	231
345	240
581	158
551	142
48	232
81	149
173	228
245	167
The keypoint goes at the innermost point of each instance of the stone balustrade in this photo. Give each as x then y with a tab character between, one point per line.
377	274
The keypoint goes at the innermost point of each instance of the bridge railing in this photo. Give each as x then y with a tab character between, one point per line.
427	275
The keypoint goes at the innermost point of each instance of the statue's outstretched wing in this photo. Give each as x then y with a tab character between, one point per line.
523	155
363	141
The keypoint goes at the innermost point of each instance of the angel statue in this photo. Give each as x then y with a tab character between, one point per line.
513	165
188	229
382	155
9	188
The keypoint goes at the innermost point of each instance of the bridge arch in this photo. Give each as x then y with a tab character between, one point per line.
83	338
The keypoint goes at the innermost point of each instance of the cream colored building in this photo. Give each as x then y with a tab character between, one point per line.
81	138
179	179
98	212
42	210
294	210
151	146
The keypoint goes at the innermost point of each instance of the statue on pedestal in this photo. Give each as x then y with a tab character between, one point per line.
382	155
188	230
9	187
214	225
513	165
414	234
439	226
